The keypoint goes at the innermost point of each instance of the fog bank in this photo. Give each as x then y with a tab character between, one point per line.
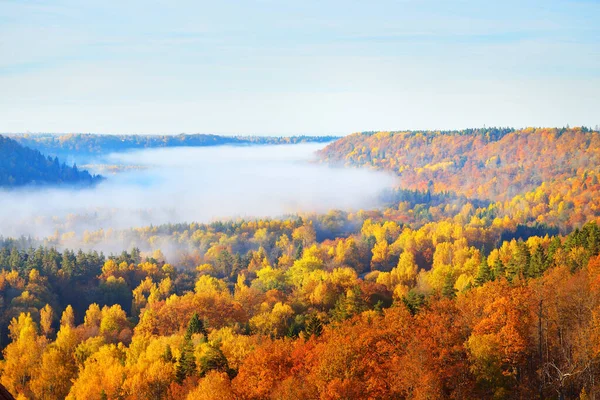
194	185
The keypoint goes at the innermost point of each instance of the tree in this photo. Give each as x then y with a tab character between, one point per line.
114	325
448	289
299	251
413	301
196	325
186	364
213	359
499	270
484	273
46	316
214	386
102	375
22	356
314	326
58	366
407	268
68	317
538	263
273	323
168	354
263	369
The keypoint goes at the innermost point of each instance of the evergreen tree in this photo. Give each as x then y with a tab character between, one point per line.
213	359
448	289
340	311
20	165
299	251
14	260
554	246
538	263
237	265
168	354
355	303
499	270
186	365
520	261
135	255
314	326
295	327
413	301
68	263
195	325
484	273
593	242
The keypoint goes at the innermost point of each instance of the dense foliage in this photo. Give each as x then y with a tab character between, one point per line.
492	163
21	165
81	143
447	292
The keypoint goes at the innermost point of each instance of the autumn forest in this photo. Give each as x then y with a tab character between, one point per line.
475	275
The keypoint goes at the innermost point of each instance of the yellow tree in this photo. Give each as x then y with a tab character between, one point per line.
149	368
273	323
46	315
58	366
101	376
381	256
22	356
407	269
114	325
68	317
214	386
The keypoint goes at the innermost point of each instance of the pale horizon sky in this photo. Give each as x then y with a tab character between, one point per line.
306	67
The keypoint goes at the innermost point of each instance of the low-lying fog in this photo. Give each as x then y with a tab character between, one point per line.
193	184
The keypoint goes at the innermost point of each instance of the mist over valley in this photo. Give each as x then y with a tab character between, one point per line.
192	184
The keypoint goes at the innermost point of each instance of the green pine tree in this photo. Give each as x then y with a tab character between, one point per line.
413	301
448	289
484	273
195	325
186	365
299	251
499	270
340	311
314	326
593	242
213	359
168	354
537	263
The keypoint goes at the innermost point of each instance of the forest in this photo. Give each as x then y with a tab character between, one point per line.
20	165
478	277
93	144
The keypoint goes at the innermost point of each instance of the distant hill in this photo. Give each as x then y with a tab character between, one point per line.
489	163
20	165
89	144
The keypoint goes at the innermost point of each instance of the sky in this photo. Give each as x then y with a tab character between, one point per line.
296	67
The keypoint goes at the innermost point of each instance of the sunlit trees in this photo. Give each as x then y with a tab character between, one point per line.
58	365
102	375
214	386
501	340
479	279
263	369
274	322
46	320
22	355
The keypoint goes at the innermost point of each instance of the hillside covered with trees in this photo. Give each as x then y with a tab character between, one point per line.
20	165
489	163
467	284
82	143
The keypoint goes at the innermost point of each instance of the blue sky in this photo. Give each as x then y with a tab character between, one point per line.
282	67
